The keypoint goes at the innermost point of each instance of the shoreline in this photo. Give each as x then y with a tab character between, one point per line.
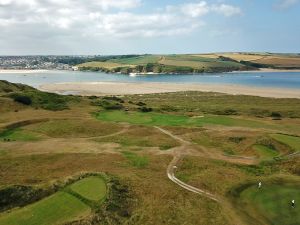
111	88
267	70
262	70
22	71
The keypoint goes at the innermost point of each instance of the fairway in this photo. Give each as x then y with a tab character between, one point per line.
91	188
273	203
291	141
265	152
19	135
56	209
157	119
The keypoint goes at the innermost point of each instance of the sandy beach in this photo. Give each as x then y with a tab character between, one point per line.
22	71
110	88
267	70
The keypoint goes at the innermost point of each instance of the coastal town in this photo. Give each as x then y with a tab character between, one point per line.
50	62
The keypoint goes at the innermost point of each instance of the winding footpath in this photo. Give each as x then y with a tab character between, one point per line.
179	153
173	166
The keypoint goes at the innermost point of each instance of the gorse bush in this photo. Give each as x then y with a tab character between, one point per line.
23	99
48	101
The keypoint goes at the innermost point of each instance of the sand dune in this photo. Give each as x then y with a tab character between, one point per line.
110	88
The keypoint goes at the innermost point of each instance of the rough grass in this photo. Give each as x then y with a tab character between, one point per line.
212	175
292	141
56	209
74	128
142	137
273	203
219	104
136	160
92	188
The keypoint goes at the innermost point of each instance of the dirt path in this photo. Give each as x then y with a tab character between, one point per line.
179	153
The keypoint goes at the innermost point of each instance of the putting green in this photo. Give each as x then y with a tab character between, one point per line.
56	209
91	188
273	203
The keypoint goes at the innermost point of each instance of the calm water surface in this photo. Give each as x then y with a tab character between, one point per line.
271	79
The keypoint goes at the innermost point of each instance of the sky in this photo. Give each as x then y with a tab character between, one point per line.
105	27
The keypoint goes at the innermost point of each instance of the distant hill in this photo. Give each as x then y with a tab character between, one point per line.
192	63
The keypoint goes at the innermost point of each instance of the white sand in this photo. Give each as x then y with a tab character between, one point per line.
267	70
110	88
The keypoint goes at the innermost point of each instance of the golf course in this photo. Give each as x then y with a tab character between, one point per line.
169	158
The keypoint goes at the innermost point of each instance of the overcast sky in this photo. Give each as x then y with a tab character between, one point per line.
148	26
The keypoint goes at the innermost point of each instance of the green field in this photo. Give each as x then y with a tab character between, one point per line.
56	209
107	65
292	141
138	60
197	62
91	188
158	119
273	203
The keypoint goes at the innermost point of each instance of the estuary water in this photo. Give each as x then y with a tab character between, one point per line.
257	79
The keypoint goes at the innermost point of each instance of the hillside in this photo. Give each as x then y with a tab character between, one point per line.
196	63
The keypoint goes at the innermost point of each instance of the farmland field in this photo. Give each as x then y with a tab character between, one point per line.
198	63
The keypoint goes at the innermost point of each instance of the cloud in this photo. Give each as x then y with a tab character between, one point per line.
33	20
285	4
227	10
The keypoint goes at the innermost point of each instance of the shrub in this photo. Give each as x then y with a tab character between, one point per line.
145	109
276	115
108	105
236	139
141	104
113	98
23	99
